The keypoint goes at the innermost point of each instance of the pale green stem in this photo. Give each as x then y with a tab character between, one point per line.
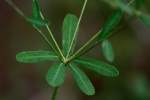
77	28
53	39
85	47
42	34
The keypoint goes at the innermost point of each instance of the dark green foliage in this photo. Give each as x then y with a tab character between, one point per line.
35	56
110	24
98	67
56	74
68	30
65	57
82	80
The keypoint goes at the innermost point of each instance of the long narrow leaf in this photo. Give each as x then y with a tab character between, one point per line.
107	50
35	56
110	24
82	80
68	30
56	75
98	67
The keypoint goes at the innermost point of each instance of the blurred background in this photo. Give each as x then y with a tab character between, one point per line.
131	44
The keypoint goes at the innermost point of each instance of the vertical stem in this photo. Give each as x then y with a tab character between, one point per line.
54	93
53	39
77	27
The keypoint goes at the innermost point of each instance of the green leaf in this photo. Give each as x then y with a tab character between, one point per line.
56	75
82	80
36	9
36	18
68	30
110	24
35	56
98	67
107	50
145	19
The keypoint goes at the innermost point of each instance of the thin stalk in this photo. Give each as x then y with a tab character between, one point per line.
45	38
15	8
54	93
53	39
77	27
58	51
88	44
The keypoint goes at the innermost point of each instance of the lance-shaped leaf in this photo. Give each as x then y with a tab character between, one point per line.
107	50
35	56
56	75
110	24
98	67
36	18
68	30
82	80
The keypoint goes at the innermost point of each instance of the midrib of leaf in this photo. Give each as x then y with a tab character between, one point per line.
77	27
79	77
57	72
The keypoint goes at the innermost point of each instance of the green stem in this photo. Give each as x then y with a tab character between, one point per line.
77	27
53	39
54	93
86	47
57	50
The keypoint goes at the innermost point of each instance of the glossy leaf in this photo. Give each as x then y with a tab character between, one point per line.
99	67
110	24
145	19
82	80
56	75
68	30
35	56
107	50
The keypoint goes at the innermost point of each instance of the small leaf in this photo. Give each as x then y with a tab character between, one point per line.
35	56
110	24
107	50
36	18
36	9
145	19
98	67
82	80
68	30
56	75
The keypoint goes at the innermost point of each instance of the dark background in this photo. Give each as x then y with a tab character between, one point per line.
27	81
